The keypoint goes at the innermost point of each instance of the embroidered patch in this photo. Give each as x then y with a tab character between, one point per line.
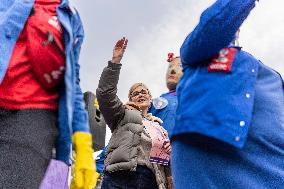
223	63
160	103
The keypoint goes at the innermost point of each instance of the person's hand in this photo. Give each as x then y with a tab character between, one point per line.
119	50
170	182
167	147
85	171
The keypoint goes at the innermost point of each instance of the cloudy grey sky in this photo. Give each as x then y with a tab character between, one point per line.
156	27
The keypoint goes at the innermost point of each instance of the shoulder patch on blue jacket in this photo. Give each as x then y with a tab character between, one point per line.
160	103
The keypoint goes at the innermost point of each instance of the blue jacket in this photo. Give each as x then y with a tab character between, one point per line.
217	104
164	108
100	160
72	114
243	108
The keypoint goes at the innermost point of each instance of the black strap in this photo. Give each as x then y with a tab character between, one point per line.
32	11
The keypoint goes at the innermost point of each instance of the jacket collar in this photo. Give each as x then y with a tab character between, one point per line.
132	106
149	116
64	4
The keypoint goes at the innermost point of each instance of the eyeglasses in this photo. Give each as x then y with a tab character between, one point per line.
136	93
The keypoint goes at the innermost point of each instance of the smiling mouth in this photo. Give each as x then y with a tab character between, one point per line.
141	100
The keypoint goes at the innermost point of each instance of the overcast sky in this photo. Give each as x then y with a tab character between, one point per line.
156	27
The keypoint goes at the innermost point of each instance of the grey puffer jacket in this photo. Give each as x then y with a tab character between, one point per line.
125	122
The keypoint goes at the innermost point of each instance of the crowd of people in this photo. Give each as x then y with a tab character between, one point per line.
219	125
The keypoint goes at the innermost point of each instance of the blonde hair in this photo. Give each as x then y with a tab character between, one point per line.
134	86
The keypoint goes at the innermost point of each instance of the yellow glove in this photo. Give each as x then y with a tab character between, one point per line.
96	103
85	169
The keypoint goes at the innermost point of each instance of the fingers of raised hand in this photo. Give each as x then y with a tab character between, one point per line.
125	43
118	44
122	43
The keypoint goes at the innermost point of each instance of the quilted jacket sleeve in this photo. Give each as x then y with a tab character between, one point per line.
110	105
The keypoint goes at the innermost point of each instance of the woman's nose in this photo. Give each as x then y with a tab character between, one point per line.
173	71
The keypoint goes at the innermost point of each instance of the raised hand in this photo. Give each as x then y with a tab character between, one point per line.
119	50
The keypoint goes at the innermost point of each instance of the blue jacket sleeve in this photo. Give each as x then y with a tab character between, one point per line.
100	160
80	117
216	29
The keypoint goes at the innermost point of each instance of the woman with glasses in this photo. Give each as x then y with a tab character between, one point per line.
138	152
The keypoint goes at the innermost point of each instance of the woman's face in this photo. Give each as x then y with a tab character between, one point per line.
141	97
174	74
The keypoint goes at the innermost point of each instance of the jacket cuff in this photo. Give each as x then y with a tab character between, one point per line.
63	152
114	65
